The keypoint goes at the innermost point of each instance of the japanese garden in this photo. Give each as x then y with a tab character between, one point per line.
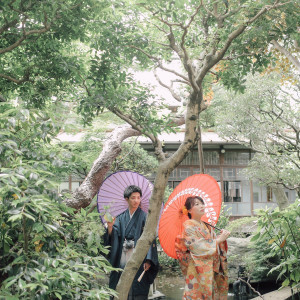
165	89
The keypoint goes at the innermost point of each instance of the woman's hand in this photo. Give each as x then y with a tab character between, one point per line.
223	236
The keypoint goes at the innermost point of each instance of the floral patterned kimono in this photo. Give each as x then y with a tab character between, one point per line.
203	263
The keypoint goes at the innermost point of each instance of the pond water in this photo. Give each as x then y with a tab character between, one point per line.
171	284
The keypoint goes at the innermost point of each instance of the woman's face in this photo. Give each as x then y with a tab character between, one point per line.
198	210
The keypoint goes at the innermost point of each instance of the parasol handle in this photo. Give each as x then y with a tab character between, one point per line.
212	226
141	276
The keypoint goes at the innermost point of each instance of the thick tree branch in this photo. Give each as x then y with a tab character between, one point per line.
26	77
288	54
24	37
83	196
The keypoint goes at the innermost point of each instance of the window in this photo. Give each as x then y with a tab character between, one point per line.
187	161
236	158
211	158
229	173
173	174
232	191
184	173
240	174
255	197
172	184
213	172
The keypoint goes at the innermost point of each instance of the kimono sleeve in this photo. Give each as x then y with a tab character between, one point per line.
198	243
112	240
152	255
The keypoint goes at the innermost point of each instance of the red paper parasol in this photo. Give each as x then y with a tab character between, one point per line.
172	219
111	193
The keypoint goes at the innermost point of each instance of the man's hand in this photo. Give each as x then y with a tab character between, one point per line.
110	225
147	265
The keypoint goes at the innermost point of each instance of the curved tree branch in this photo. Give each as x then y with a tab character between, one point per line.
288	54
169	87
84	195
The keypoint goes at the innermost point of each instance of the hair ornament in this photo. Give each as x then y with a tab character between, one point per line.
184	210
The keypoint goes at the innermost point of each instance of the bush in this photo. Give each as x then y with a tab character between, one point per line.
276	245
47	251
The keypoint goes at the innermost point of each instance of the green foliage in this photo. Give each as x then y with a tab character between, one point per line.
36	57
276	245
46	249
264	118
168	263
133	157
223	220
236	227
135	35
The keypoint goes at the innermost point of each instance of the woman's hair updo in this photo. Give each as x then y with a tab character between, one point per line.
190	202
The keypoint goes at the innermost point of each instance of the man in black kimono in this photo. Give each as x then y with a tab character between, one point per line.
122	235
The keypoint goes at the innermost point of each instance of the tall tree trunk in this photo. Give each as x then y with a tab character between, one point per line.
281	197
166	166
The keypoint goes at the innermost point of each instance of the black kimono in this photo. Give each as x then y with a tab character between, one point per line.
131	230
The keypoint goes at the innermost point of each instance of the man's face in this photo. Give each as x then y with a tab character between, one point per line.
134	201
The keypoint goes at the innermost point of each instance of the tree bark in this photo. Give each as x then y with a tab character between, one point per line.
85	193
281	197
288	54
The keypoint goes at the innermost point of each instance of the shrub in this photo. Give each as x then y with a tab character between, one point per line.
277	245
47	251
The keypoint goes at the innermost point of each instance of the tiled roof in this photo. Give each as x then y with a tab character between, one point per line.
208	137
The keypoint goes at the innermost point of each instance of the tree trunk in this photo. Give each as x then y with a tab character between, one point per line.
85	193
165	168
281	197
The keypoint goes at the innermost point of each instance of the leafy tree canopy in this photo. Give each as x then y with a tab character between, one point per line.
266	119
37	46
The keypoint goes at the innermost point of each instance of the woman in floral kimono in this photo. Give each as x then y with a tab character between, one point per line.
202	255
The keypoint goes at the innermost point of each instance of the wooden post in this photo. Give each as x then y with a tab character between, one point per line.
200	151
70	183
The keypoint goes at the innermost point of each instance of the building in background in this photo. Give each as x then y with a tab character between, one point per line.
225	161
